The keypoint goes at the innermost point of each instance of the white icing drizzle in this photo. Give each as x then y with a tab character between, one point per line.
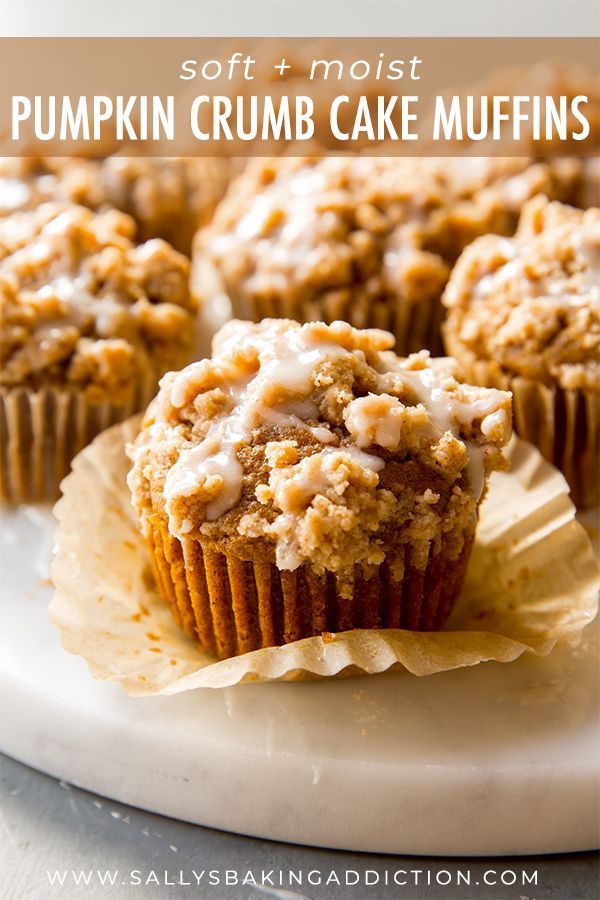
476	469
14	194
268	376
492	421
367	427
80	309
283	419
315	482
286	361
81	304
448	413
286	209
214	456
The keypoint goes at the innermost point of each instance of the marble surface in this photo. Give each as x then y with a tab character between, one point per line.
494	760
48	825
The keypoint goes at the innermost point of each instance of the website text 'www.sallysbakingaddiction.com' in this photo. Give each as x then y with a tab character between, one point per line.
294	878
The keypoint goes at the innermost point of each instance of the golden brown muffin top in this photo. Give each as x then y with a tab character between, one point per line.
317	444
532	303
81	304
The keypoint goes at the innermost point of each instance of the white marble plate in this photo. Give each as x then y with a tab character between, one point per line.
497	759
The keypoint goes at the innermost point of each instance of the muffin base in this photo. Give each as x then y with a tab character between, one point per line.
563	424
233	606
41	431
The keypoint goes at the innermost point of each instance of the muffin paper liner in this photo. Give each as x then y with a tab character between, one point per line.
41	431
531	585
563	424
236	605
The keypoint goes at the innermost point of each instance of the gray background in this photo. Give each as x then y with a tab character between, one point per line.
445	18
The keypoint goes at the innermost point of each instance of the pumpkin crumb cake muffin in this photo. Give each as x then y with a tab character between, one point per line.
307	479
89	321
369	240
524	315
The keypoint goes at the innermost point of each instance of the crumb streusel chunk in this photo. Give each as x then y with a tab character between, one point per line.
317	444
82	305
532	303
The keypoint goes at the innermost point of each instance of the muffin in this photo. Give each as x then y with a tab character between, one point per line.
169	197
89	321
524	315
369	240
307	479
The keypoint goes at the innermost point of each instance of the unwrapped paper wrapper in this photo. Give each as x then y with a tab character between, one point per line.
532	585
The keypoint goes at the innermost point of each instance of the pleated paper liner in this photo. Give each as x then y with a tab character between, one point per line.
236	605
415	321
42	430
532	585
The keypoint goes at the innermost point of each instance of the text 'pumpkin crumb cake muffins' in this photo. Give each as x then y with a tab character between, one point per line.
307	479
88	324
369	240
524	315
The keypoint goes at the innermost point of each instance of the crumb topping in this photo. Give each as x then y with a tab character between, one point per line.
81	304
317	442
533	303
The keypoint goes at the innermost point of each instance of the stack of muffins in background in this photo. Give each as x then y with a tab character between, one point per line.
322	471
